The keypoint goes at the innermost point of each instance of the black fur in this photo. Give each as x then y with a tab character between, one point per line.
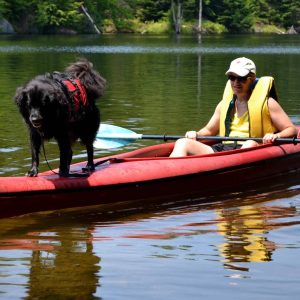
48	111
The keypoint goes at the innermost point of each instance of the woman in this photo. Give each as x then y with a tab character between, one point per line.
249	108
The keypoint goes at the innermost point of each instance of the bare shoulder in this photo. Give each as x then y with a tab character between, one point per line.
273	104
272	100
218	107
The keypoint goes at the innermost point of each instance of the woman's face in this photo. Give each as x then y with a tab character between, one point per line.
241	85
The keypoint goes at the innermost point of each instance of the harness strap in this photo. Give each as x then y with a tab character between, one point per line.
77	92
73	89
228	116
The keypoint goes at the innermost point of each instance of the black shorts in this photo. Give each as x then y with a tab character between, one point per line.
223	147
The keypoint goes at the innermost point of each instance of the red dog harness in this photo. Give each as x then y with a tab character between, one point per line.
77	90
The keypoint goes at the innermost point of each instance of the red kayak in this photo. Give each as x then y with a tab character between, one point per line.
148	174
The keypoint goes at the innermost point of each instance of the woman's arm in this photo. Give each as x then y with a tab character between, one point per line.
281	121
211	128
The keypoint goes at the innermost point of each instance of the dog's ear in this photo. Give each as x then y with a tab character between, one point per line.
21	97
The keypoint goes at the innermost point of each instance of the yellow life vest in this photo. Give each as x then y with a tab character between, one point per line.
260	121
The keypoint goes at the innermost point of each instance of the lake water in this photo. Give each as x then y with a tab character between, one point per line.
236	246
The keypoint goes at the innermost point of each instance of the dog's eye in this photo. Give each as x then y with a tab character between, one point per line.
49	98
28	101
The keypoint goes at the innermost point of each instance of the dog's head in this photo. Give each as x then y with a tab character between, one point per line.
93	82
35	101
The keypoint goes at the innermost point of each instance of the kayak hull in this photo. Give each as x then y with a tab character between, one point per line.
146	175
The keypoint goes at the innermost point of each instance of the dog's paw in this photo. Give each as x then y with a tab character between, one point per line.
64	173
89	168
33	172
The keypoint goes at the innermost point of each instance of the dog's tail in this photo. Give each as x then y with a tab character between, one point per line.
93	82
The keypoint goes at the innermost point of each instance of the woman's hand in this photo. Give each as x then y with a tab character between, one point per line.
270	137
191	135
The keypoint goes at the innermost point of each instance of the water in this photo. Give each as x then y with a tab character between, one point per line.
235	246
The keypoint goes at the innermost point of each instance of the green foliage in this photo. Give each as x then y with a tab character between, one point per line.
151	27
124	15
212	27
3	7
118	13
152	10
55	14
190	9
285	12
238	15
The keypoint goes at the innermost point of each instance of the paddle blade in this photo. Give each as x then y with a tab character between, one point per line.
111	136
110	144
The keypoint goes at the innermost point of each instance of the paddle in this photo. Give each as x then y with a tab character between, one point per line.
111	136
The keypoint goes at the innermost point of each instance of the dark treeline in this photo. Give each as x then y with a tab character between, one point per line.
35	16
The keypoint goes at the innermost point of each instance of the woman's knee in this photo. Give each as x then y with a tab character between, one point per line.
183	142
249	144
181	147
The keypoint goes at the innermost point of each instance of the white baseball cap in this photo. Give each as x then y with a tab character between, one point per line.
242	66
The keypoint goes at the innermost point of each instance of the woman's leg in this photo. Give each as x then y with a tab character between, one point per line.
184	147
249	144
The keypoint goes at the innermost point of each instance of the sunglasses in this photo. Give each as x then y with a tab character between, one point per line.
238	78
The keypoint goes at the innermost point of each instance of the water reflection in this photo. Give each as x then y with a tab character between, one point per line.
245	231
62	263
67	259
70	270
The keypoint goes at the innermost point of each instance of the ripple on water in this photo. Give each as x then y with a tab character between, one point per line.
144	49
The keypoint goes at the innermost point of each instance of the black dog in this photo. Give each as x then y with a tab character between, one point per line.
62	106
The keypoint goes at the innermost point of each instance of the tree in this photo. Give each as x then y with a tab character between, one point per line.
119	11
152	10
90	19
238	15
3	7
200	16
285	12
177	14
52	15
20	13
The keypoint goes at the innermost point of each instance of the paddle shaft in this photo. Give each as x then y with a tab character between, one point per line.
111	136
216	138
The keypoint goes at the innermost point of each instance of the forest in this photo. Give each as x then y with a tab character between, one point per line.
150	16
